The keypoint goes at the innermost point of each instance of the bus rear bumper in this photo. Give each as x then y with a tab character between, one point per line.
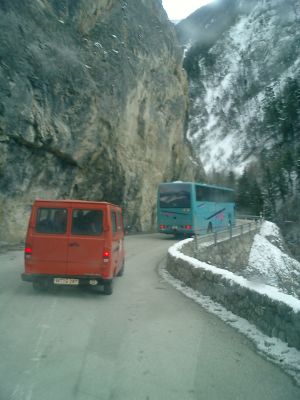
177	232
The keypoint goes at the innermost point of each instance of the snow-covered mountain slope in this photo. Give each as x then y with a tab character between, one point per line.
239	75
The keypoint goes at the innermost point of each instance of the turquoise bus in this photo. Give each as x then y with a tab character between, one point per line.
188	208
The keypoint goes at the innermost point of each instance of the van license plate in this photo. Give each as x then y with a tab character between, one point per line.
66	281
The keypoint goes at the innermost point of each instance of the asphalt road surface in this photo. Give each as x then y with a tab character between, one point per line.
145	342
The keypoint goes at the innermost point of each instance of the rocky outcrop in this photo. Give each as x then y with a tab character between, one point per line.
93	104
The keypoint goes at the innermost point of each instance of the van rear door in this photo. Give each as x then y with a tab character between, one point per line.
49	240
86	244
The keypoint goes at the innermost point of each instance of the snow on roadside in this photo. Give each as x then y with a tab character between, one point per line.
268	264
254	285
274	349
269	229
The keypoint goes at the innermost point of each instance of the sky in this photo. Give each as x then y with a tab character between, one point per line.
180	9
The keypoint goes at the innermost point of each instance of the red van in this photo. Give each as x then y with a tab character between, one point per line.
72	242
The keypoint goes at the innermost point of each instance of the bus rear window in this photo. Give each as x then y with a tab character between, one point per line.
175	196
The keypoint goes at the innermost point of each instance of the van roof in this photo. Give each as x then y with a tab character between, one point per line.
84	202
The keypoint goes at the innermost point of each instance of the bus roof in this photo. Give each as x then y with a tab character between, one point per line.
197	183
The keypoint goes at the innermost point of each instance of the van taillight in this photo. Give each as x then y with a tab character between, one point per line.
188	227
106	255
162	226
28	251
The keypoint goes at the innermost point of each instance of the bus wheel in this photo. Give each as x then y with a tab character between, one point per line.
209	228
108	288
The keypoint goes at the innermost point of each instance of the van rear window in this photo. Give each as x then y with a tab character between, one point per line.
87	222
51	220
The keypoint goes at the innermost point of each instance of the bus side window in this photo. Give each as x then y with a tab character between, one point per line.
200	193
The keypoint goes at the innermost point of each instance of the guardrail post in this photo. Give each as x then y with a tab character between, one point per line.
196	243
215	238
230	231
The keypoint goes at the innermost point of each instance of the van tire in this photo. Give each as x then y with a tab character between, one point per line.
108	288
121	272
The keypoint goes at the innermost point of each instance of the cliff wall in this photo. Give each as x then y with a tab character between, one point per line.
93	105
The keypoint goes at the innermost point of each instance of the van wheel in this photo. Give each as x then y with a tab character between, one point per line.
108	288
121	272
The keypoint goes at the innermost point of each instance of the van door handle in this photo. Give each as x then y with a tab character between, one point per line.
74	244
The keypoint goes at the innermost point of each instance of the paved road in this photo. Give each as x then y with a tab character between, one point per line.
145	342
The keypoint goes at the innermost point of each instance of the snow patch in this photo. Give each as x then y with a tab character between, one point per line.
270	265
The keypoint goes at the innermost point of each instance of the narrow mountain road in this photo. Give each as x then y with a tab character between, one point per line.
145	342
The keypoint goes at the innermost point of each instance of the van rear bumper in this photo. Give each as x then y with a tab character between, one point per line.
83	280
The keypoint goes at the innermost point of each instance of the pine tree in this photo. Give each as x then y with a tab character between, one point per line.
271	112
256	200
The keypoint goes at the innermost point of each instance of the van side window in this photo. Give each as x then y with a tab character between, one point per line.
87	222
51	220
119	221
114	221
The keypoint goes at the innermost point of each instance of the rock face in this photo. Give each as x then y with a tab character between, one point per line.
93	105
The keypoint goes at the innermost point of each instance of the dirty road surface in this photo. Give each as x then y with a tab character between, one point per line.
144	342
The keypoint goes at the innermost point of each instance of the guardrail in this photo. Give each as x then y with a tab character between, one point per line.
246	217
228	233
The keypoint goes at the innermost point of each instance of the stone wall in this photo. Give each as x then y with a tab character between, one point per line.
230	254
274	313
